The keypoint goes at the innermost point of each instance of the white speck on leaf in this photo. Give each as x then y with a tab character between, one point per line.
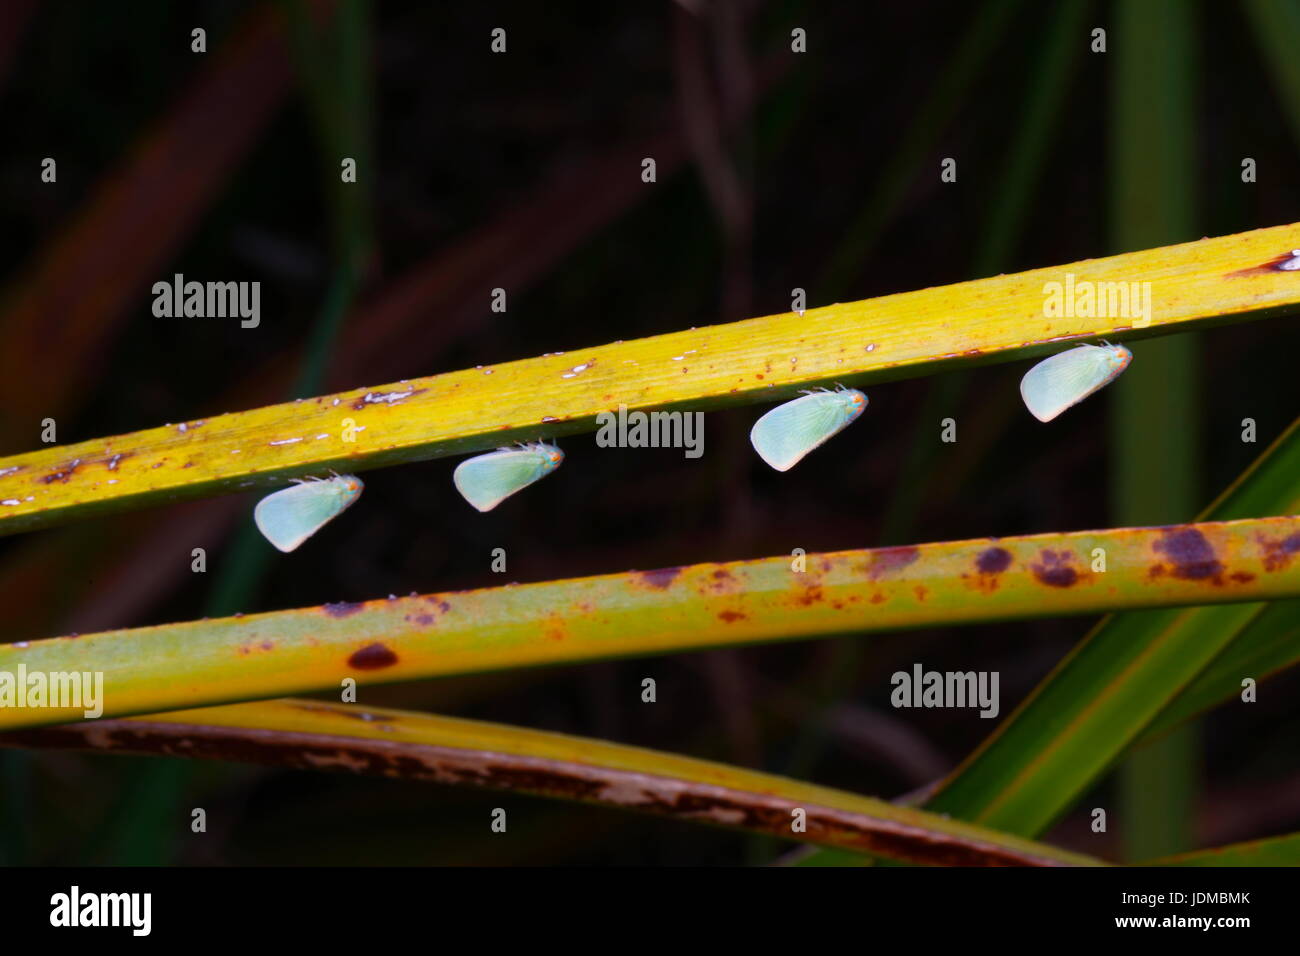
386	398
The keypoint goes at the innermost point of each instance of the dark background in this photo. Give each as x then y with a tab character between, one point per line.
829	182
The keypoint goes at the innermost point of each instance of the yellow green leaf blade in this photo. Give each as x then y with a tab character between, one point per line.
315	735
1269	642
764	359
1271	851
664	611
1114	684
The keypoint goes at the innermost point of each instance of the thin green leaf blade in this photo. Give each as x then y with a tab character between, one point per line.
1094	705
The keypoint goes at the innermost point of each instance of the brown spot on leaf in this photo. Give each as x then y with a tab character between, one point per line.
62	474
422	620
1054	569
372	657
993	560
660	578
1279	552
1192	556
536	779
888	560
1272	265
921	591
810	595
731	617
721	581
342	608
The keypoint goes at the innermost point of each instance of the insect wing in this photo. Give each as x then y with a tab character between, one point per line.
290	516
487	480
1067	378
788	432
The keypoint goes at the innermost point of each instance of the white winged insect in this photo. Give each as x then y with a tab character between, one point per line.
290	516
1067	378
487	480
788	432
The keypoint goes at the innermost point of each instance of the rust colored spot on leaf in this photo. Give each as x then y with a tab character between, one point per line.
993	560
372	657
810	595
921	591
1192	556
1279	552
660	578
1242	577
1055	570
888	560
63	474
536	779
342	608
731	617
1272	265
722	581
